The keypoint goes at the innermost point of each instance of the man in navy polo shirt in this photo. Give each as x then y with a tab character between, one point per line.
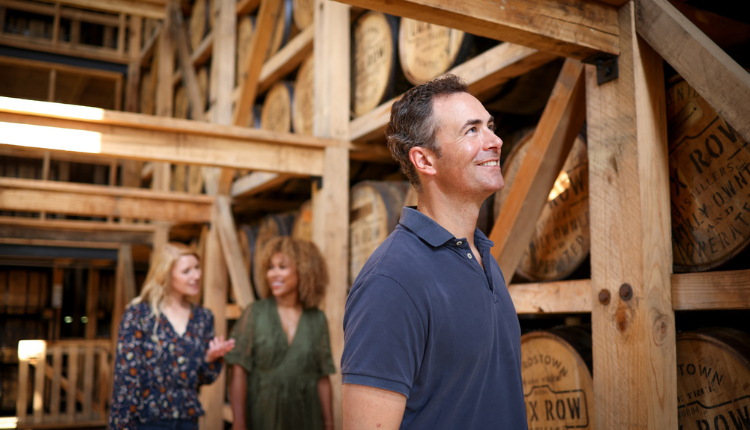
432	340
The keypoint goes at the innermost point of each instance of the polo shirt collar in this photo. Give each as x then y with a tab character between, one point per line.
431	232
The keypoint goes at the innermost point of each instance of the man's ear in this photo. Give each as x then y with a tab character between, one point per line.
423	160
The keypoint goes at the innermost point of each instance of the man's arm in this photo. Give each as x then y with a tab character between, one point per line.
372	408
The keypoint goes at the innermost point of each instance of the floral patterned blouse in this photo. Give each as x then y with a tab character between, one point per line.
158	372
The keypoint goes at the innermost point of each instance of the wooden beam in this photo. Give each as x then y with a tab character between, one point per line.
552	297
189	79
57	11
215	300
92	304
488	70
570	28
146	9
147	51
558	127
63	48
98	200
711	290
199	57
710	71
230	246
134	66
125	257
221	85
633	334
245	7
267	17
287	59
142	137
331	202
257	182
37	229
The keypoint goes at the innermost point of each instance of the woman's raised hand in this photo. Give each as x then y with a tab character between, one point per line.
217	348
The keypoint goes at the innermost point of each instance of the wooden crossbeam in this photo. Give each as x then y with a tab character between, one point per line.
558	127
143	8
256	182
570	28
287	59
489	70
55	10
100	132
103	201
710	71
63	48
552	297
42	232
267	16
189	79
230	245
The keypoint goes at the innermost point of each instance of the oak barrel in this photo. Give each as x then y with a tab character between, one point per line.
303	107
561	239
374	60
427	50
713	379
284	29
277	108
709	170
375	208
304	13
199	18
271	226
303	222
557	383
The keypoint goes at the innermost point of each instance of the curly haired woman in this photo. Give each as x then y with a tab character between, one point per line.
283	355
166	348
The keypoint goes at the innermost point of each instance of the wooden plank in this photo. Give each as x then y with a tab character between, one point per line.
230	246
233	311
149	46
558	127
488	70
245	7
267	16
92	303
200	56
59	243
221	85
56	11
18	151
34	289
144	9
54	407
70	401
38	398
273	153
331	202
134	65
101	200
552	297
63	48
570	28
89	227
711	290
165	48
58	274
23	390
126	257
710	71
189	79
633	338
104	382
286	60
257	182
51	85
88	381
215	299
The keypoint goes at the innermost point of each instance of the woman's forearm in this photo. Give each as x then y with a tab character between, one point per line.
239	396
326	403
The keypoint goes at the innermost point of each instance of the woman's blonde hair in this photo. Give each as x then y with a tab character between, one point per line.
159	277
307	259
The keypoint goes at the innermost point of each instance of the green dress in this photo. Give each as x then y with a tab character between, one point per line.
282	381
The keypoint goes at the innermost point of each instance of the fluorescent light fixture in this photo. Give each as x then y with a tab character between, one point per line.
31	349
38	136
59	110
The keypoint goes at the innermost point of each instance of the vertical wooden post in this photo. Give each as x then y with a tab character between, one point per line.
164	95
54	407
134	65
52	84
57	287
70	401
331	201
38	402
45	169
55	25
215	300
92	303
635	383
23	390
121	29
219	181
75	32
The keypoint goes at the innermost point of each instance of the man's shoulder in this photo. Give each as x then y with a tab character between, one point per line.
398	255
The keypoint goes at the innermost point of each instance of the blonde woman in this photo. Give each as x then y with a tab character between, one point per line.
283	355
166	348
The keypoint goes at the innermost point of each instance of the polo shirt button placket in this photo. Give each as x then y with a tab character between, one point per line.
469	255
459	243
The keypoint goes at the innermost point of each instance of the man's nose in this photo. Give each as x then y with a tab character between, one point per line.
492	141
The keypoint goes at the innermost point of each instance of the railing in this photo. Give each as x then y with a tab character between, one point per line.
82	368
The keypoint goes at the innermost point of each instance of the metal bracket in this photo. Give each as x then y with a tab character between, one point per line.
606	67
